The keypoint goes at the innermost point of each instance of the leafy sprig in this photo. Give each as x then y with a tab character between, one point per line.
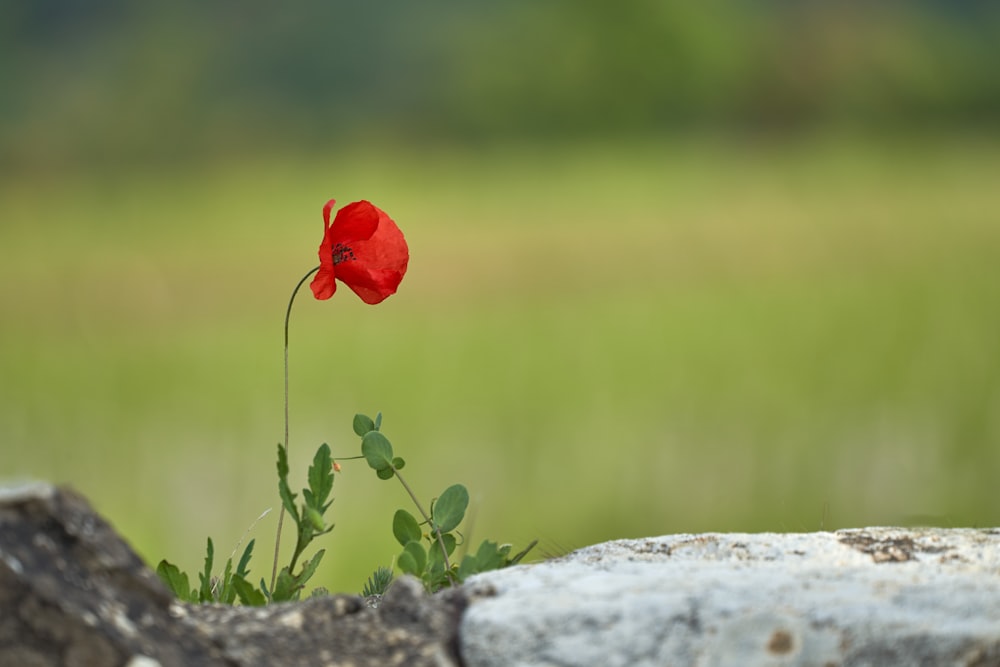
309	523
432	562
381	251
428	543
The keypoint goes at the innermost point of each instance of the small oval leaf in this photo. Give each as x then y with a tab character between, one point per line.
405	527
377	450
363	424
415	557
406	563
449	510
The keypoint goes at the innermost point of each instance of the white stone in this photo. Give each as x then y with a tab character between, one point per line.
143	661
13	491
873	596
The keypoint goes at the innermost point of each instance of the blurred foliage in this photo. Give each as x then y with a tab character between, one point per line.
602	342
697	327
159	81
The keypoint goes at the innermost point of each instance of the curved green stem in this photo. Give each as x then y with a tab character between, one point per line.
281	516
434	528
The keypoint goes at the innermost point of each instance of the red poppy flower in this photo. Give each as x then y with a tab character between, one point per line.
363	249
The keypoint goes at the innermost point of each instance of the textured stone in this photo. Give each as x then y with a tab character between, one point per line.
875	596
73	593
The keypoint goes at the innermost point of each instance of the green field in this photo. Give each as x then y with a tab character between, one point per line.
600	341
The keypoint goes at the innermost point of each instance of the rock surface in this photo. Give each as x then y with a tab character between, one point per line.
73	593
875	596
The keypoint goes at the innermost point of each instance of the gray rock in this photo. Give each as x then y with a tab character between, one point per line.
73	593
875	596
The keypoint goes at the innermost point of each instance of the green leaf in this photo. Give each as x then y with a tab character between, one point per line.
405	527
449	542
436	557
398	463
489	556
320	477
205	593
363	424
289	586
407	564
378	421
263	588
378	583
521	554
437	577
242	569
247	594
176	581
309	567
224	592
385	473
285	588
287	497
413	560
449	510
467	568
377	450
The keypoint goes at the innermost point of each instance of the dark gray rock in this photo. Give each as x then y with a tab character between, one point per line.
73	593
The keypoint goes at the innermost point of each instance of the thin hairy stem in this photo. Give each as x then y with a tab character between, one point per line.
215	584
437	531
281	515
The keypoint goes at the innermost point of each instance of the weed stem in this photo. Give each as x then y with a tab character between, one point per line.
281	515
437	531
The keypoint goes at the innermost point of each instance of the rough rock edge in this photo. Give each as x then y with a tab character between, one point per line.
867	596
72	592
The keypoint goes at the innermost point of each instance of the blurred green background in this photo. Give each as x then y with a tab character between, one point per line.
723	266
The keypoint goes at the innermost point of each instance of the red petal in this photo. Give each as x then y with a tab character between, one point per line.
327	207
355	222
380	262
323	285
372	285
386	248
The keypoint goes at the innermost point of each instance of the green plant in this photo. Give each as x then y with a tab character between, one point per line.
428	545
364	249
309	524
432	562
378	583
212	589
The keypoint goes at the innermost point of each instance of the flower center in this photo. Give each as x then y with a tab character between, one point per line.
342	253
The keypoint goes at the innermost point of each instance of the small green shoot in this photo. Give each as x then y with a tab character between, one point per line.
309	522
378	583
427	555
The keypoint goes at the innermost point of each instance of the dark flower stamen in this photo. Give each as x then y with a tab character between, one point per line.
342	253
